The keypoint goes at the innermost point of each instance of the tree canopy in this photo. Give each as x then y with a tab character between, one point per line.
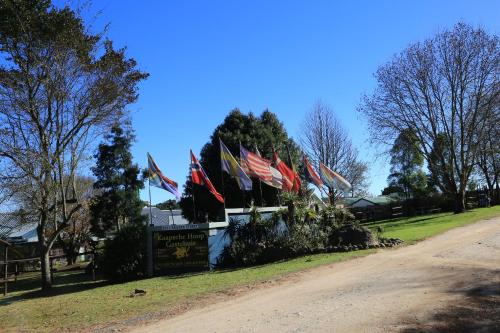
60	88
406	166
117	183
444	89
263	132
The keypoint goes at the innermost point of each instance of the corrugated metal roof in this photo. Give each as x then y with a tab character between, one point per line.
17	228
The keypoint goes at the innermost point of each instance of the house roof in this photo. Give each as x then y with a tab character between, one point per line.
16	228
380	200
164	217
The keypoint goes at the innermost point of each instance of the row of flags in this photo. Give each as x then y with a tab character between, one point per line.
252	165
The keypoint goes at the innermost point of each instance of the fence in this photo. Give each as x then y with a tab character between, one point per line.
12	269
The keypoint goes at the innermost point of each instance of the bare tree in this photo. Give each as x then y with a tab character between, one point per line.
325	140
60	88
488	160
443	89
77	234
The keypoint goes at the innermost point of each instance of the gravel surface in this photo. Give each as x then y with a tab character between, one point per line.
449	283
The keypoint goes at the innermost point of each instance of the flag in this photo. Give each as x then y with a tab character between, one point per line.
199	177
231	166
156	178
277	178
296	178
333	179
312	174
287	173
255	166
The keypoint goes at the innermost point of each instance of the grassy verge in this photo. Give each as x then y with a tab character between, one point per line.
77	303
418	228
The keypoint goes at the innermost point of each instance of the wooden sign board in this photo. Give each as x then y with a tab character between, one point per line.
180	250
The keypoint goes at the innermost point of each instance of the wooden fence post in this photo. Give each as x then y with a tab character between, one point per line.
6	274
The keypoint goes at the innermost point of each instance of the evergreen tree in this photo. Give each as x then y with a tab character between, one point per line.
264	132
118	181
407	177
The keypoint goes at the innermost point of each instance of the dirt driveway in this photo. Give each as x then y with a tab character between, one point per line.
448	283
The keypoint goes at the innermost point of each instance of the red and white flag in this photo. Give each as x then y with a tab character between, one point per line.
287	173
255	166
199	177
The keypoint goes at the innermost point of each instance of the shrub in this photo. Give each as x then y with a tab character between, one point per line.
351	234
266	240
124	256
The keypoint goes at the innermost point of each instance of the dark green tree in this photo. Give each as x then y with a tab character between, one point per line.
118	181
170	204
263	132
406	166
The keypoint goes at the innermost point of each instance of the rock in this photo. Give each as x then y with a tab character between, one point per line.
138	292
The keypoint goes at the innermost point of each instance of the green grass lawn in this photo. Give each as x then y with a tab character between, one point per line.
417	228
76	302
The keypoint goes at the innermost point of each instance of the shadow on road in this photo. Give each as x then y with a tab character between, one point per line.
478	312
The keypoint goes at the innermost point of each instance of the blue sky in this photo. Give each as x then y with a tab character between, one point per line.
208	57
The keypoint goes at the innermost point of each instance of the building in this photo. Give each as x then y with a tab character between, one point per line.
164	217
361	202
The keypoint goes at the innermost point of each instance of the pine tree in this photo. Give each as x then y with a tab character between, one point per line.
118	181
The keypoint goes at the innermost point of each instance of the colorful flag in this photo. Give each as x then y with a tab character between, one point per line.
296	178
277	180
156	178
231	166
255	166
312	174
333	179
286	172
199	177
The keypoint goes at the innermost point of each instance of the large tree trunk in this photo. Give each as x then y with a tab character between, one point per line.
45	262
459	202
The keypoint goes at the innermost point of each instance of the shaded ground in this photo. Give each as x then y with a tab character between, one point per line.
449	283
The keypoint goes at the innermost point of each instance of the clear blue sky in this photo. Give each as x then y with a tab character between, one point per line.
208	57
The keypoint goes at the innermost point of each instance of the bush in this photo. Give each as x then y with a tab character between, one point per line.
351	234
124	256
262	241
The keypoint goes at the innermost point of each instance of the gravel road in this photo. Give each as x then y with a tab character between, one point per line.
448	283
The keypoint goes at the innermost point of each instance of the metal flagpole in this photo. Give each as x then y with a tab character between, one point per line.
192	195
260	181
150	203
222	176
192	185
242	191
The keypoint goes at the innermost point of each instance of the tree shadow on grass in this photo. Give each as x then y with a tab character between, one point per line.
478	312
65	283
399	222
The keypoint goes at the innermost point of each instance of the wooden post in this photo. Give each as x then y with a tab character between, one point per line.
6	275
51	271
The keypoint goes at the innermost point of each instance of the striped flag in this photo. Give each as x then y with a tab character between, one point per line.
199	177
156	178
231	166
255	166
296	178
277	180
333	179
312	174
286	172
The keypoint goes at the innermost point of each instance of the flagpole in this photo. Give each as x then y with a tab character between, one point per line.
242	191
222	175
150	203
194	205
